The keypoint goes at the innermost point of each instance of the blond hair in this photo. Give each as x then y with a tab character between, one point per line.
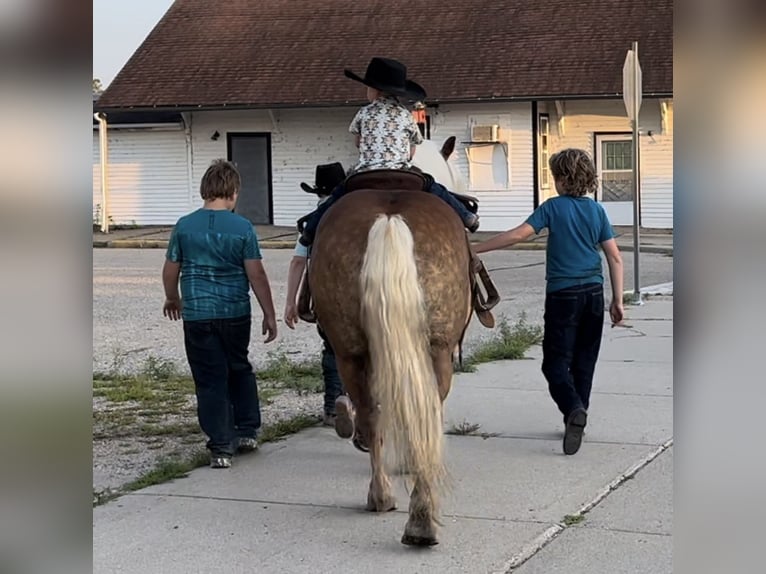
221	180
574	171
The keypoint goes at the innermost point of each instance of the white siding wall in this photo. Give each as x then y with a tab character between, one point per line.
148	169
301	139
148	181
499	209
584	118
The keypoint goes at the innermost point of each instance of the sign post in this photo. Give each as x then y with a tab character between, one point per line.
631	95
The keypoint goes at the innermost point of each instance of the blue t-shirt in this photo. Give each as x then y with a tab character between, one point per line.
576	226
212	246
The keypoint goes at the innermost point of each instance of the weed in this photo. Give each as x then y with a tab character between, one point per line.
572	519
463	428
168	470
304	377
287	427
509	343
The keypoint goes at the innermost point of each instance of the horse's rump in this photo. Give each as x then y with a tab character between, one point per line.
441	253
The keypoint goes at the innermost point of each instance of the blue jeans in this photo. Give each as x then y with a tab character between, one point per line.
227	395
574	322
333	388
312	220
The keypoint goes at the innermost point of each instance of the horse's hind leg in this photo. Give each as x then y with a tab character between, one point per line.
353	373
379	498
421	527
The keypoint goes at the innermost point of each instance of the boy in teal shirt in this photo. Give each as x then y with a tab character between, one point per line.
574	300
215	252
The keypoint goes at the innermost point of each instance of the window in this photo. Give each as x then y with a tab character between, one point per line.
616	170
543	132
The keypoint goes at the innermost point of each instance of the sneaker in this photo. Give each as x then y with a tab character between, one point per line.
575	427
220	461
344	417
472	222
247	444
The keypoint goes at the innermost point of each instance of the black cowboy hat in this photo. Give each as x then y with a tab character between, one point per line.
389	76
327	176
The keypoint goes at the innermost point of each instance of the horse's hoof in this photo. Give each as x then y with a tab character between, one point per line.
411	540
382	506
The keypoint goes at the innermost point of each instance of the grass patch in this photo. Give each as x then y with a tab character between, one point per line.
173	468
304	377
510	342
572	519
174	429
287	427
168	470
267	394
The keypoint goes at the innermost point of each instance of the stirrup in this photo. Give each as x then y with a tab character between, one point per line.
481	304
305	304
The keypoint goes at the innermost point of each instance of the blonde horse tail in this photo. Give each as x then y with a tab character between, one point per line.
403	380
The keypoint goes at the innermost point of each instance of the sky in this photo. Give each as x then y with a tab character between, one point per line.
119	27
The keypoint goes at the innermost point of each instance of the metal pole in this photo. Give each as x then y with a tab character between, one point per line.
636	184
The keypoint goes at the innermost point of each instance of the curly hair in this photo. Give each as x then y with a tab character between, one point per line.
574	171
221	180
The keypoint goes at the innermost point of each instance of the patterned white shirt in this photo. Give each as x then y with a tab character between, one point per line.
386	131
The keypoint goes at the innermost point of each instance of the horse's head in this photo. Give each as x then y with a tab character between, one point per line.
429	158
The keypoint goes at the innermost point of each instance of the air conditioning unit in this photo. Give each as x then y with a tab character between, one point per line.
485	133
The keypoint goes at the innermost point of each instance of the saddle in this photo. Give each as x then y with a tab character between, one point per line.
412	179
403	179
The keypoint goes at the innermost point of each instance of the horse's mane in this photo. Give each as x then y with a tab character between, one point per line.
428	158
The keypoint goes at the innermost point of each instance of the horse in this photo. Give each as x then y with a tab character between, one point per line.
391	285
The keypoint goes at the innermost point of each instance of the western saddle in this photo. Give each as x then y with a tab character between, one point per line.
415	180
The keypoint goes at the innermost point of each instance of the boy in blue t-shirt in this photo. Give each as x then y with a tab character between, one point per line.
215	252
574	300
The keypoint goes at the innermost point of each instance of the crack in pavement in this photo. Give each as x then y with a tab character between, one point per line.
550	534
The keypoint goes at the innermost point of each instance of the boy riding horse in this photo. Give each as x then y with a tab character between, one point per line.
386	135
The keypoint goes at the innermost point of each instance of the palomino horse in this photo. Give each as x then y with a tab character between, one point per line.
390	277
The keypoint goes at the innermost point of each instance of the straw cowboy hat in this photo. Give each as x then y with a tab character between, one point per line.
389	76
327	176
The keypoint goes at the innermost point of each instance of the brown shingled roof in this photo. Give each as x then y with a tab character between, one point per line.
277	53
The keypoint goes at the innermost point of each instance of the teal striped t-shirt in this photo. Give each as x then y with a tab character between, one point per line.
576	227
212	245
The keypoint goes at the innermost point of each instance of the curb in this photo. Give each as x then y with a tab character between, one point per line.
280	244
163	244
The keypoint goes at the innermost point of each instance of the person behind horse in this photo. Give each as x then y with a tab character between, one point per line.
327	176
386	135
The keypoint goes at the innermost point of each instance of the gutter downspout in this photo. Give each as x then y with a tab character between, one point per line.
187	119
104	161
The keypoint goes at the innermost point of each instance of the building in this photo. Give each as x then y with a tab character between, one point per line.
262	84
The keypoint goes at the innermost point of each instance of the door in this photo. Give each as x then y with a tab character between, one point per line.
251	153
614	162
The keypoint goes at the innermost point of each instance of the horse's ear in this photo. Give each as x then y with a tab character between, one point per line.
448	147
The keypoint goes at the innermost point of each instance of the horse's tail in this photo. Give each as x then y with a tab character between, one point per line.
403	380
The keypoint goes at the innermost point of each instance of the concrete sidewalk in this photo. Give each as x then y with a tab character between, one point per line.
297	506
281	237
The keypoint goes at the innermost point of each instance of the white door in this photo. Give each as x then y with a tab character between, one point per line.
614	158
